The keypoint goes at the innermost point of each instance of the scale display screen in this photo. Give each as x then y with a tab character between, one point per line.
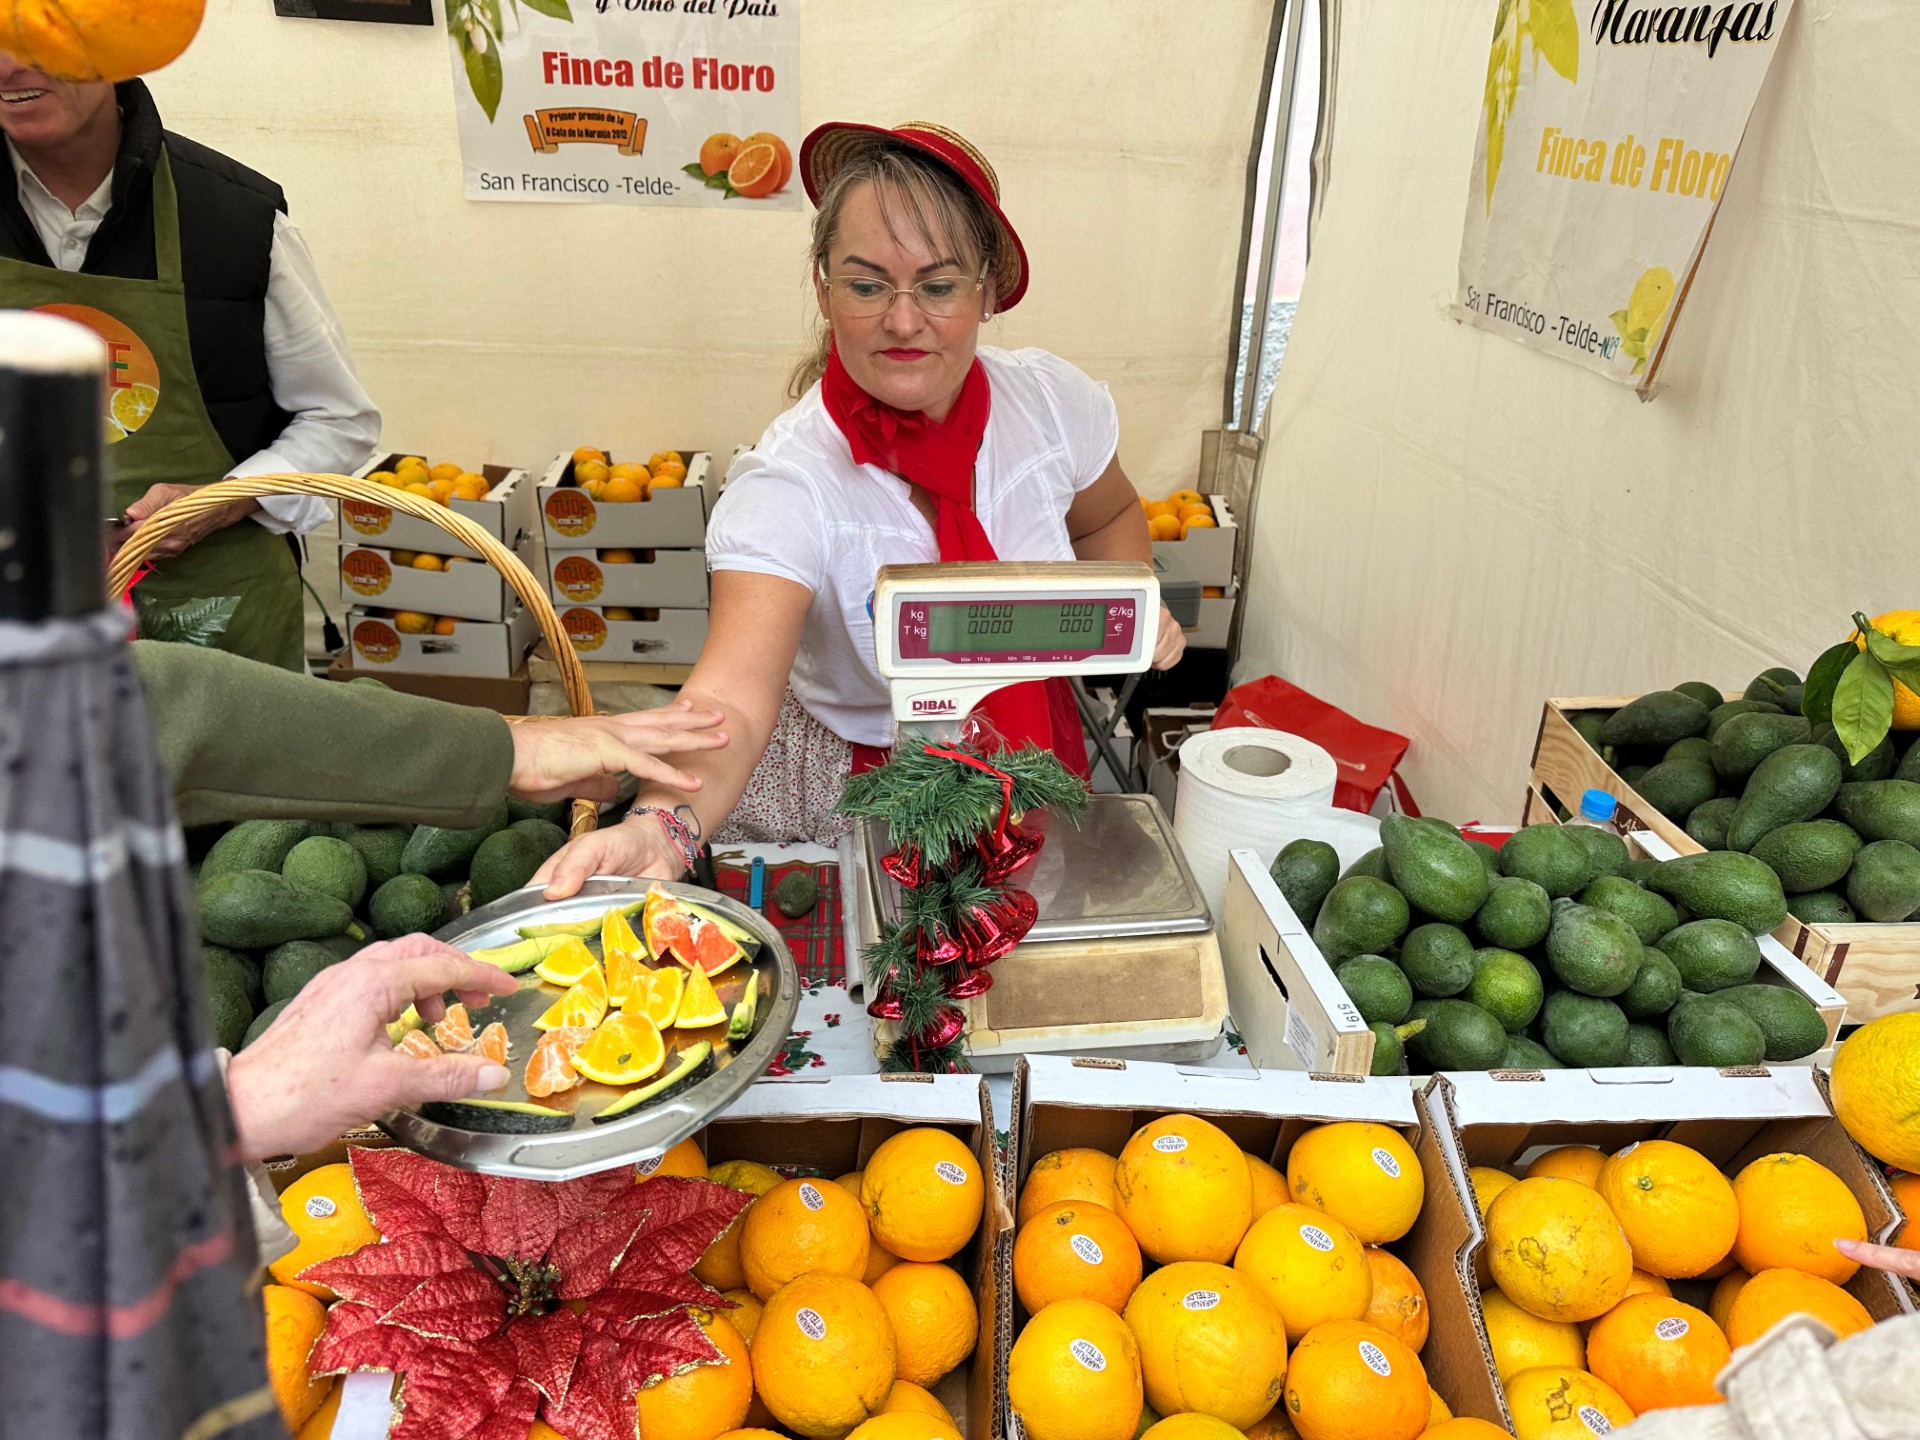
986	631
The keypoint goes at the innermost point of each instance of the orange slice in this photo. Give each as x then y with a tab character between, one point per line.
625	1050
551	1068
656	994
584	1004
689	937
492	1042
621	953
418	1044
700	1006
455	1032
568	964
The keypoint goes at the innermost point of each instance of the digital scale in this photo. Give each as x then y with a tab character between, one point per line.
1122	961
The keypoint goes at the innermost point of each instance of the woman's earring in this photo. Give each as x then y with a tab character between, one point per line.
986	314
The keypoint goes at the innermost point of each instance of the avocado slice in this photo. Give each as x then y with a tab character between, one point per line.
497	1117
692	1060
521	955
740	1025
578	929
409	1021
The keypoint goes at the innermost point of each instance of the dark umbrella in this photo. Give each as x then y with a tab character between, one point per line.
127	1308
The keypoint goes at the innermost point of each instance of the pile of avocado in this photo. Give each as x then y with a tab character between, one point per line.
1755	776
1556	950
281	900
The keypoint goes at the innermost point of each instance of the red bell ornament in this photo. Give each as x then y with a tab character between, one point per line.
969	983
947	951
903	866
1005	850
945	1029
887	1007
994	929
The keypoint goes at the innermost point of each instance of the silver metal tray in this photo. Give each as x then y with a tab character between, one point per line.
648	1131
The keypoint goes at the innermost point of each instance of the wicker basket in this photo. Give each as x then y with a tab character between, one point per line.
573	679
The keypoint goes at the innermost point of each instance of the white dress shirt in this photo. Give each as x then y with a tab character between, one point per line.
334	425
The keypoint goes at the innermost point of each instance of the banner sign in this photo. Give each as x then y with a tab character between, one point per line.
1607	131
628	102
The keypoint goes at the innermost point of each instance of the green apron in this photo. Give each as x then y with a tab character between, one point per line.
159	432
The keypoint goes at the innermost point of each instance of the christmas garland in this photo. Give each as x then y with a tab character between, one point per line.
954	817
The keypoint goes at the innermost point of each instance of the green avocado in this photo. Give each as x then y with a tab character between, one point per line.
1528	1054
1377	987
1592	952
1879	809
1712	954
1361	916
1606	852
1650	915
1584	1031
1724	885
1547	855
287	968
262	1022
229	1012
1515	916
1707	1030
1723	713
1437	959
1372	864
1658	718
1433	868
445	853
504	862
1884	883
553	812
1792	1026
258	909
1647	1045
1676	787
1459	1036
328	867
1876	764
1820	907
230	967
253	845
799	890
380	847
1745	740
1390	1046
497	1117
1708	695
406	904
1809	854
1656	985
1507	986
1794	783
1305	871
1708	823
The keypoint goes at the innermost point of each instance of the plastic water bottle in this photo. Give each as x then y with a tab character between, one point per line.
1596	809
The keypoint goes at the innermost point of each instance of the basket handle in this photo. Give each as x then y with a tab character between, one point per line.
573	677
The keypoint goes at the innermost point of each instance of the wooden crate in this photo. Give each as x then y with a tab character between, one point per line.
1876	967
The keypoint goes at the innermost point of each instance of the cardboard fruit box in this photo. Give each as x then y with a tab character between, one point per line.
495	649
506	513
1876	967
652	579
1207	554
465	589
653	637
1733	1117
1292	1011
1061	1102
672	518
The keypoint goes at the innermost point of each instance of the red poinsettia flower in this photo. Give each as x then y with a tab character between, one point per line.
500	1301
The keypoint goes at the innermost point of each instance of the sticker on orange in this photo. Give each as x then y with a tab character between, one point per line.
365	571
571	512
133	376
587	629
376	642
577	578
365	518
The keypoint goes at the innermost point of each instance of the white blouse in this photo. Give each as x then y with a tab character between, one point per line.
797	506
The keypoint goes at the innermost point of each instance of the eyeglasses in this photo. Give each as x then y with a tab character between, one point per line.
941	296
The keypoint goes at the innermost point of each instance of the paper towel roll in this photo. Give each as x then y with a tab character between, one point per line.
1257	789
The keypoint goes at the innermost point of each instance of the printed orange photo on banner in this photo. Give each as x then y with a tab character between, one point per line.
366	571
585	628
577	577
133	377
376	642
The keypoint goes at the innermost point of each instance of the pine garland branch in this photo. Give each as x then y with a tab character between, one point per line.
947	1060
946	896
893	971
939	805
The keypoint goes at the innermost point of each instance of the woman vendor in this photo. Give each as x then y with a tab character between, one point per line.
910	442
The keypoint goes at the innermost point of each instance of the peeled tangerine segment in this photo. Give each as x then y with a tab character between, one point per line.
625	1050
656	994
551	1069
568	964
584	1004
700	1005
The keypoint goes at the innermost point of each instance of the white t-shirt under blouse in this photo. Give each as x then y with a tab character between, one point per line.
797	506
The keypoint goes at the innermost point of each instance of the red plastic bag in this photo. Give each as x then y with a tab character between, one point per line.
1365	755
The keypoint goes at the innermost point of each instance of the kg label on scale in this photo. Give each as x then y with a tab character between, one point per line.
629	102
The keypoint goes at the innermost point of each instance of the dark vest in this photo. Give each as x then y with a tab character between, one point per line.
226	247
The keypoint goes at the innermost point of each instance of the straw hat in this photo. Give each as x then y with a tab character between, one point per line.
832	145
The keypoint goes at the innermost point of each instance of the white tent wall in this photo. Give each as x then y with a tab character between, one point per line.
1452	528
509	332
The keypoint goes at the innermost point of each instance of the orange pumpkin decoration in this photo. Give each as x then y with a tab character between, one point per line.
88	40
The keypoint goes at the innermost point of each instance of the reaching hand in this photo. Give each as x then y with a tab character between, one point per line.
326	1064
585	757
186	533
636	847
1170	644
1882	1257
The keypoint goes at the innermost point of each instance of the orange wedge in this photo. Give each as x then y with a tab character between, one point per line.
689	937
656	994
568	964
419	1045
492	1042
625	1050
551	1071
584	1004
699	1006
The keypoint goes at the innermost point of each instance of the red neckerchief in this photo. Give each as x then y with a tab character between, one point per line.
938	456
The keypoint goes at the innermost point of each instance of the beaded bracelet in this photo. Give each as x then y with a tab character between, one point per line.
678	835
